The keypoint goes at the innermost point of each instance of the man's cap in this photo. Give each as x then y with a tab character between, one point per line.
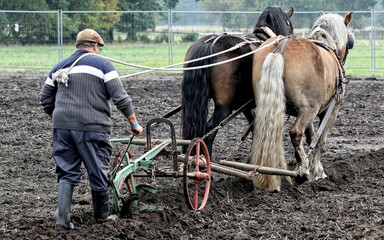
89	35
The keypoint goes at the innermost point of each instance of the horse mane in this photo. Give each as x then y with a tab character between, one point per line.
330	30
276	19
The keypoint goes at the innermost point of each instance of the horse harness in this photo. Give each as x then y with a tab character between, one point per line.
254	40
339	63
251	40
214	39
341	84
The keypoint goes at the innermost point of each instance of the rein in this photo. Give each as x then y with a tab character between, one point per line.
341	84
335	99
61	76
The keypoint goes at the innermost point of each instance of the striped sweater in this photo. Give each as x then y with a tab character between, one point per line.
85	104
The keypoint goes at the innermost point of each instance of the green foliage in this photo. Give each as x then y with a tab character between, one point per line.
26	28
161	38
299	5
70	5
42	28
189	37
229	20
24	5
4	22
144	38
170	4
132	23
305	5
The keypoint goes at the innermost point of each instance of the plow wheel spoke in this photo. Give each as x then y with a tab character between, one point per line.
127	157
197	175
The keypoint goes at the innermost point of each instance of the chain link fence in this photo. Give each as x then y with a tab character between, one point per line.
39	39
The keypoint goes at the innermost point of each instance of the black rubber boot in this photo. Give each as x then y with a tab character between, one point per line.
100	201
64	199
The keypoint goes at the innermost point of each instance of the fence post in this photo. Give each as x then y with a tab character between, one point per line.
373	40
61	35
58	34
170	37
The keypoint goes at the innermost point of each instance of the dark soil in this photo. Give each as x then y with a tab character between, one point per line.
349	204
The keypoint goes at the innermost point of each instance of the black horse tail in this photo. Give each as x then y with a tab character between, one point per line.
195	92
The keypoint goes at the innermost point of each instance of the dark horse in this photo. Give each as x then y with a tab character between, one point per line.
229	84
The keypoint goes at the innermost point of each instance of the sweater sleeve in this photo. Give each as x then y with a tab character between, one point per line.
48	96
116	90
119	96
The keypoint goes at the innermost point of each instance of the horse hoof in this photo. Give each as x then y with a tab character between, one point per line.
323	176
301	179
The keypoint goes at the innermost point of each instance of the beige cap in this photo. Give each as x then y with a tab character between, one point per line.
89	35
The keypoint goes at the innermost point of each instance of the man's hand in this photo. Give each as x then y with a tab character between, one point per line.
137	130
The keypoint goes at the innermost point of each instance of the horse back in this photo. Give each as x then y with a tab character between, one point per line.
232	82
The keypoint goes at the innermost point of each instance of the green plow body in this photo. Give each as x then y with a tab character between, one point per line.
124	173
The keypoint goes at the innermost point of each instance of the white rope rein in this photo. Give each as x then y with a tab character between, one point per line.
239	45
200	67
61	76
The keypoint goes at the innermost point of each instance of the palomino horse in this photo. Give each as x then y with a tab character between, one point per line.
299	77
229	84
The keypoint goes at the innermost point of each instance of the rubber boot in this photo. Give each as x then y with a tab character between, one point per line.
100	201
64	206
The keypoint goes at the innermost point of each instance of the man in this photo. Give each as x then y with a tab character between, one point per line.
80	110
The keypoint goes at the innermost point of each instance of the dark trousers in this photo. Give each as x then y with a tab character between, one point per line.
71	148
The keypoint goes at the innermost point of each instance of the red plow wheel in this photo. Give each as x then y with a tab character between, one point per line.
120	158
197	175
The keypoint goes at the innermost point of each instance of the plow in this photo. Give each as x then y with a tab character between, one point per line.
194	167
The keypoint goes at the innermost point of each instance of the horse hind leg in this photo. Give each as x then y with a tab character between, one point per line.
300	127
317	170
309	133
219	114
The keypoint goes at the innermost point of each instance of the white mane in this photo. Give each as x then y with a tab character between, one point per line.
330	30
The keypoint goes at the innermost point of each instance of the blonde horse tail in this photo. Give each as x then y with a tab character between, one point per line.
267	146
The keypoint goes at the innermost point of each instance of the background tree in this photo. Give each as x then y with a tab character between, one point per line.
359	20
227	20
299	5
132	23
170	4
106	22
27	28
42	27
3	23
74	22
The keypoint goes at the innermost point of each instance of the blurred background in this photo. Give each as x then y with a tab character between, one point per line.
35	35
